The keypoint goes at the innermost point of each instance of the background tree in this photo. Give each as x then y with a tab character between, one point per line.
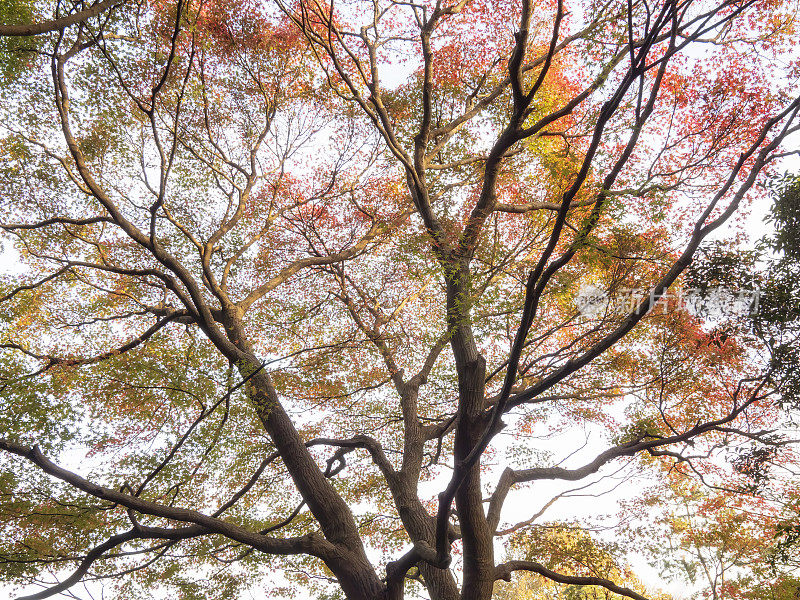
298	280
736	539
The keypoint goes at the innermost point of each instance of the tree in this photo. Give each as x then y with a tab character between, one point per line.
725	547
290	266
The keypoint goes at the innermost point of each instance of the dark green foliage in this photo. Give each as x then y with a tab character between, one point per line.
778	318
785	217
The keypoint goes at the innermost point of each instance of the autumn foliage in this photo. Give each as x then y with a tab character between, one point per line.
296	299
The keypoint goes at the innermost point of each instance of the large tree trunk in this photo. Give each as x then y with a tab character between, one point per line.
471	367
349	562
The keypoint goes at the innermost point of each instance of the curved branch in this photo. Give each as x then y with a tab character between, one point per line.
73	362
311	543
138	532
504	572
510	477
314	261
760	156
33	286
56	221
371	445
57	24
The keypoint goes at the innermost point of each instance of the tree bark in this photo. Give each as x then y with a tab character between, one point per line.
350	564
477	538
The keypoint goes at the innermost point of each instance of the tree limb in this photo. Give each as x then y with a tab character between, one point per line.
504	572
57	24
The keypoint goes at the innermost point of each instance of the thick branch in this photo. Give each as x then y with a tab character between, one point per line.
312	543
504	572
57	24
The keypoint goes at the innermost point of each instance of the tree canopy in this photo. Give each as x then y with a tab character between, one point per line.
351	298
